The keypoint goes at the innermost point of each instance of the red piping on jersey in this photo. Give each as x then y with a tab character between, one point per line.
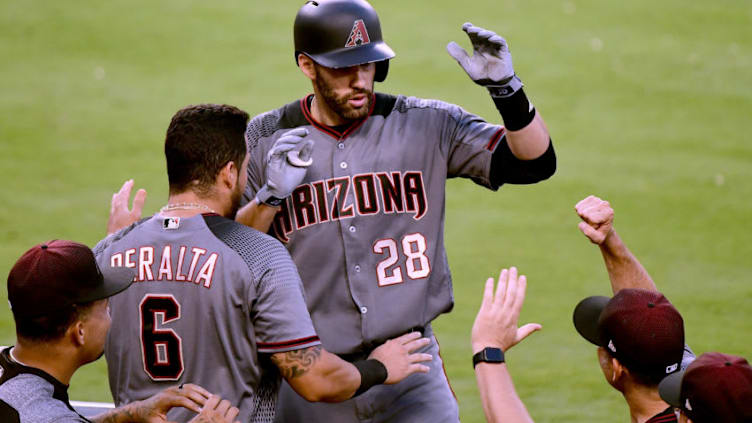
668	418
328	130
443	368
287	344
495	139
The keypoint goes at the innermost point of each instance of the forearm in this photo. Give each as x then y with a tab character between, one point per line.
531	141
125	414
257	216
527	134
624	270
318	375
497	393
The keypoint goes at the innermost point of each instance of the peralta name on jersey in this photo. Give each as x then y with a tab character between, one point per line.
330	200
181	264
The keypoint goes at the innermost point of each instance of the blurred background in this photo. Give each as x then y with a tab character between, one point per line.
648	104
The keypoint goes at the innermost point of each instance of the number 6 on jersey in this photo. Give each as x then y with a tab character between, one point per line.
161	349
413	248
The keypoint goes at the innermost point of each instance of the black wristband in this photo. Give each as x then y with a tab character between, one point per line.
372	372
516	110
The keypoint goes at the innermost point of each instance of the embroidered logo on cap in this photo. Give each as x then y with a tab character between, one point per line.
611	346
671	368
358	35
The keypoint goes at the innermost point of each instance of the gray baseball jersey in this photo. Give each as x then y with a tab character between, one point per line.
31	395
209	297
366	226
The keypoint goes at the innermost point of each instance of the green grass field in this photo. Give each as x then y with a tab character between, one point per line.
646	102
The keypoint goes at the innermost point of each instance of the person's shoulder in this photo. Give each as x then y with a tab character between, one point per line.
268	123
404	104
258	250
31	397
238	236
113	238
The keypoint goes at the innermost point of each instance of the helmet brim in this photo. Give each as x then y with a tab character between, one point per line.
353	56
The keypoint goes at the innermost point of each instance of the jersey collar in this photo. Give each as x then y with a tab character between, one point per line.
338	135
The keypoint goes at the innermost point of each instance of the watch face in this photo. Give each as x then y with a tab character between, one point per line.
494	354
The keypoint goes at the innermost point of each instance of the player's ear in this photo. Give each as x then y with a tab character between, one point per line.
229	174
307	66
77	333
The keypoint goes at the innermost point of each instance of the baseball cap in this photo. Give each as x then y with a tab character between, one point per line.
639	327
716	387
57	274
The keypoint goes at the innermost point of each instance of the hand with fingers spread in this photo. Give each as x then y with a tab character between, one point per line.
496	322
598	219
491	62
120	215
216	410
286	166
399	358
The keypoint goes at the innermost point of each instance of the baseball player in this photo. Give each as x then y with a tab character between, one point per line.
59	297
364	218
640	334
217	303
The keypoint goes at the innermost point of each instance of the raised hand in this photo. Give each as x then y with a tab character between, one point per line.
496	322
120	215
491	62
597	218
399	359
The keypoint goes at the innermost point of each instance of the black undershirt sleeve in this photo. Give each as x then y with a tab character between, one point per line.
506	168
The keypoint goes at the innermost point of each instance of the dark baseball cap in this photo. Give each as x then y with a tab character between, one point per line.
58	274
637	326
714	388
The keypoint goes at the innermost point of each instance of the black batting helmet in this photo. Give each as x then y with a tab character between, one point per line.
341	33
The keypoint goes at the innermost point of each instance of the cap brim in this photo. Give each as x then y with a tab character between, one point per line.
116	279
586	316
346	57
670	388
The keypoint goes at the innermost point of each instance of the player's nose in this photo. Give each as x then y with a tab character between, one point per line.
361	75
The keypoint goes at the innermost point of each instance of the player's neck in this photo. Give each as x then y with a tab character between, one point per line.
644	402
188	204
38	357
322	113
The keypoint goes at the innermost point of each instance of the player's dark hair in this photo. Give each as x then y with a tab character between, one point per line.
50	326
643	377
200	141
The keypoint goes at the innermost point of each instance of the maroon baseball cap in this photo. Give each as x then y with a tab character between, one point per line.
714	388
637	326
57	274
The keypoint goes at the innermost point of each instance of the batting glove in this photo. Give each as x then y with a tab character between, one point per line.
491	63
286	166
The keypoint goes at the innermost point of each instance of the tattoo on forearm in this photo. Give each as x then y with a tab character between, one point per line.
296	363
129	413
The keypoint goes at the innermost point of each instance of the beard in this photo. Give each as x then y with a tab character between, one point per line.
339	104
235	198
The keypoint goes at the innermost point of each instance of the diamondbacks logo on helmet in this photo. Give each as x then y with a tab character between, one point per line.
358	35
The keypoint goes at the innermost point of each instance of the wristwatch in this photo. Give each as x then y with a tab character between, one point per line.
488	355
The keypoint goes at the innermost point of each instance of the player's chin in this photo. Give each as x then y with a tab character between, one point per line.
352	112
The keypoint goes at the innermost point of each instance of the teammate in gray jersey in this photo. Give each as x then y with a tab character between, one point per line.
364	218
217	303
